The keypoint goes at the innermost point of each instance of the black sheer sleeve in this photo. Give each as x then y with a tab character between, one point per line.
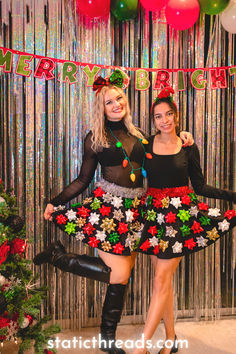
88	167
198	182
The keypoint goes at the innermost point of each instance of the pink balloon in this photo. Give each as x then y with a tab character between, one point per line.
182	14
153	5
94	8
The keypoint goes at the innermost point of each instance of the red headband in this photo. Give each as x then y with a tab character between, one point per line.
165	93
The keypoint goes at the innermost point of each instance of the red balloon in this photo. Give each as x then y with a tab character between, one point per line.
153	5
182	14
94	8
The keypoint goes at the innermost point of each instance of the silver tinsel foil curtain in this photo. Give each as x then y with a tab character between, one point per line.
43	124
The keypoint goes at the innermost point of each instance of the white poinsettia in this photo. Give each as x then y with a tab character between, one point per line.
160	218
71	214
94	218
176	202
154	241
170	231
177	247
201	241
223	225
193	211
214	212
117	202
129	215
100	235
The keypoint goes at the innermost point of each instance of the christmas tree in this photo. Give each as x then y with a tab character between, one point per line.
20	296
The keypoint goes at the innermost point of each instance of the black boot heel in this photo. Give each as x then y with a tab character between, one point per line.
83	265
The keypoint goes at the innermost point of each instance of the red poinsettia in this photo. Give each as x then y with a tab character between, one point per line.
83	212
229	214
4	250
105	211
157	203
93	242
190	244
186	200
152	230
135	213
203	206
61	219
18	246
196	227
123	228
98	192
145	246
170	217
118	248
88	229
156	249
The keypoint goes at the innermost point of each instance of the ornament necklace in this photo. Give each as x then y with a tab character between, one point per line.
127	161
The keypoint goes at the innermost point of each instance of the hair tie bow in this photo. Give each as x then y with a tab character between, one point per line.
116	79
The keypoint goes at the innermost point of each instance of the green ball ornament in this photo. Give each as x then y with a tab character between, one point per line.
124	10
118	144
213	7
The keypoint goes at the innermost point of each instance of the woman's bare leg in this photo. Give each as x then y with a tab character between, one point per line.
162	289
121	266
168	316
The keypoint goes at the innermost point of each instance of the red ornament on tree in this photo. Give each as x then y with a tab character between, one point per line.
18	246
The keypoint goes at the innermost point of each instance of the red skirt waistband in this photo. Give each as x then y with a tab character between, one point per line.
160	193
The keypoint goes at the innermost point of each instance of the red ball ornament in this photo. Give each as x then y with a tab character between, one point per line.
148	156
125	163
153	5
94	8
182	14
18	246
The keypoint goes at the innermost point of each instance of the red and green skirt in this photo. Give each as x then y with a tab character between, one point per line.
176	223
110	219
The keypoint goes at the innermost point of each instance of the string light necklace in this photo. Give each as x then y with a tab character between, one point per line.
127	161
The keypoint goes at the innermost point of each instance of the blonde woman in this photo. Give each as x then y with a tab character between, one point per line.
110	219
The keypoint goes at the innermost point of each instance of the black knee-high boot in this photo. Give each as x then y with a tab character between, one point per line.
111	314
83	265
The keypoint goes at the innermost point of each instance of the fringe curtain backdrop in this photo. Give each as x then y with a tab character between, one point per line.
43	124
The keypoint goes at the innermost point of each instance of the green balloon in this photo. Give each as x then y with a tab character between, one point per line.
124	10
213	7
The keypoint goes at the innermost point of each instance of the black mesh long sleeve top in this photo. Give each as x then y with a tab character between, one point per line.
110	158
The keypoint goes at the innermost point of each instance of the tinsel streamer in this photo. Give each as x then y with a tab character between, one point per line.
43	125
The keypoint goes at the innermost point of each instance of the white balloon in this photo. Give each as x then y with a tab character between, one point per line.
228	17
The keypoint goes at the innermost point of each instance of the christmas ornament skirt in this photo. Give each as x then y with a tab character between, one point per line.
110	219
176	223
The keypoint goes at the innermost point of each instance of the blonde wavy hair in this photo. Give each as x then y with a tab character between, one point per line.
99	137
